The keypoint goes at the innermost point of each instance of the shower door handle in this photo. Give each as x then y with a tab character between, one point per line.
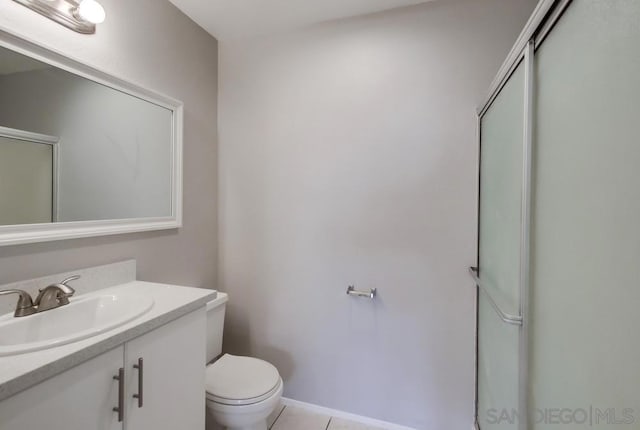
508	318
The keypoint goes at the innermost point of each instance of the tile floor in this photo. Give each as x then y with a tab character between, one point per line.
292	418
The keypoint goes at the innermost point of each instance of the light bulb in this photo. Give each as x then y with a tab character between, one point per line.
91	11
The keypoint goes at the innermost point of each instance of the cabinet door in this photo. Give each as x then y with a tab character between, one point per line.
80	398
173	364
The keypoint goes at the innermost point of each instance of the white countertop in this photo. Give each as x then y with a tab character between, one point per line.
21	371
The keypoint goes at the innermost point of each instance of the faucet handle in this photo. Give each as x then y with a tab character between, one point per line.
55	295
69	279
67	291
25	303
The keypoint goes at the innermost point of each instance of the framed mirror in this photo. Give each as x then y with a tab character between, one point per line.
82	153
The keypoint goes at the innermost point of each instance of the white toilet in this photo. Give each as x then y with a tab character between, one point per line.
241	391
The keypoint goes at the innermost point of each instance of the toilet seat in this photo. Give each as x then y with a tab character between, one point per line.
243	402
237	380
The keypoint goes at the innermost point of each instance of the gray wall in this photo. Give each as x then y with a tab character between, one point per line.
348	155
151	43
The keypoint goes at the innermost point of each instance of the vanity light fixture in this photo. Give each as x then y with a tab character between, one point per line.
78	15
91	11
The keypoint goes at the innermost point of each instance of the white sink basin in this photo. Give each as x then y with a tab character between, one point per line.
83	317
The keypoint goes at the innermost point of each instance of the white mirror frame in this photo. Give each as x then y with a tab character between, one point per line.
32	233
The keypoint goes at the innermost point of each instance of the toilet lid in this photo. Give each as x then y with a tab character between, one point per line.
237	378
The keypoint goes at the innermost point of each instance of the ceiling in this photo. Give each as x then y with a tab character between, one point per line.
233	19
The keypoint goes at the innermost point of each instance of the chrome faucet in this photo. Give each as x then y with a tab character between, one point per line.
51	297
55	295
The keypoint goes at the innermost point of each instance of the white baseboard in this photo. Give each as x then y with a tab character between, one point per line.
345	415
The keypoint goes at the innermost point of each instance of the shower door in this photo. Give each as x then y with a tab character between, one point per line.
585	293
569	245
499	271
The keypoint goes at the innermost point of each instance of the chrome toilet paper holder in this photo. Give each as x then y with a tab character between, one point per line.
371	294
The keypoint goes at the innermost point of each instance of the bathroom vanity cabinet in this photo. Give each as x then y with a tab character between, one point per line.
170	381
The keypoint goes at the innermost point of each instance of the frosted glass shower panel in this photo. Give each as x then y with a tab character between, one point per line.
586	217
26	182
499	255
501	193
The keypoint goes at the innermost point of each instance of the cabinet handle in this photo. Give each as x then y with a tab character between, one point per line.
120	408
140	367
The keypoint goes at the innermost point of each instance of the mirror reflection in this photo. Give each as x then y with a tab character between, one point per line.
72	149
27	172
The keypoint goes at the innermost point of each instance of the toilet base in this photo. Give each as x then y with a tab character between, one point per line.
257	426
245	417
212	424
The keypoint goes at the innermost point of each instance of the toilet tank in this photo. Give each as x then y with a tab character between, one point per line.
215	325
